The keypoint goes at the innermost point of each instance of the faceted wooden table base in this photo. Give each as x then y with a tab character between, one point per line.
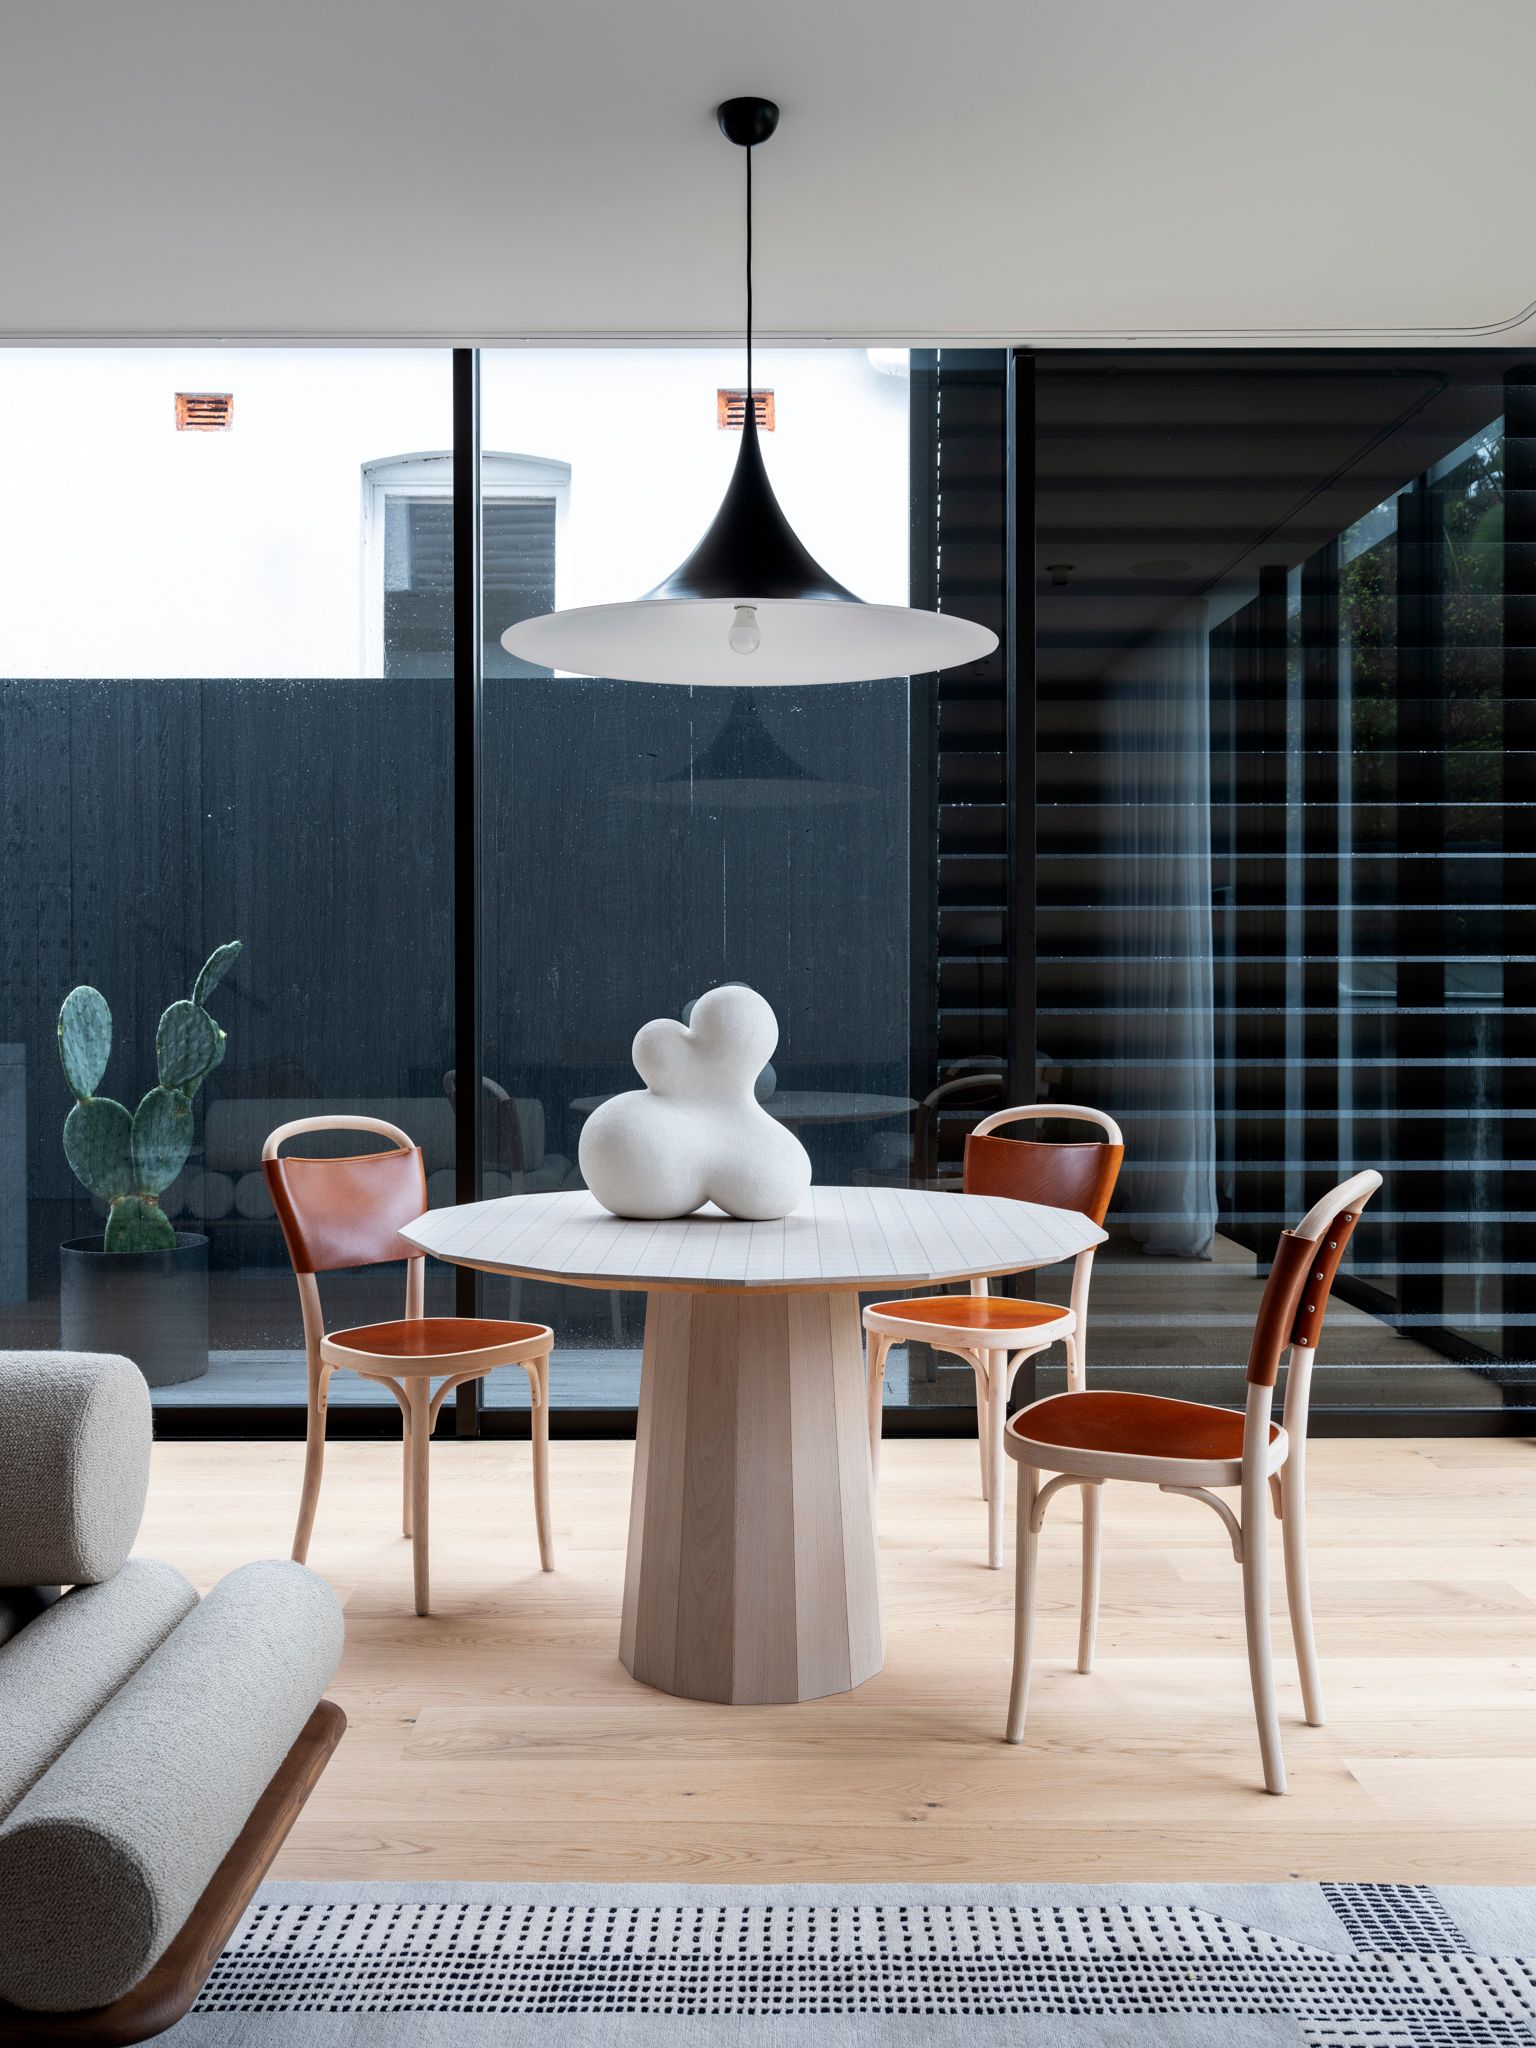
751	1575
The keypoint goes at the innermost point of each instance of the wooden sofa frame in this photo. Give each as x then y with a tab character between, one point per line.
167	1993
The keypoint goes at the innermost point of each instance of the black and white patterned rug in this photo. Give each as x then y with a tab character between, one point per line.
1329	1966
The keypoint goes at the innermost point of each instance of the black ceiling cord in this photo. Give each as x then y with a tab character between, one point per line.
751	401
747	122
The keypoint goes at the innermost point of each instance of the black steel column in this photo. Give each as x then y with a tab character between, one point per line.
468	698
923	770
1020	750
1422	938
1020	741
1518	839
1265	974
1313	1085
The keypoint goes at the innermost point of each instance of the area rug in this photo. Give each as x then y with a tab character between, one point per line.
825	1966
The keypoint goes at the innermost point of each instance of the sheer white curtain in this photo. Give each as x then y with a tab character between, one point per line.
1158	832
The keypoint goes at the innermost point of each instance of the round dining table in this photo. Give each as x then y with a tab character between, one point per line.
750	1575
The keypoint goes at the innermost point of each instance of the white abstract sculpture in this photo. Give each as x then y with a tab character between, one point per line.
695	1133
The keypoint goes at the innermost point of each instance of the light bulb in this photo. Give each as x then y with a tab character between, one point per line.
745	637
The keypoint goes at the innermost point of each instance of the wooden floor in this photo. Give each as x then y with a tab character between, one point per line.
500	1739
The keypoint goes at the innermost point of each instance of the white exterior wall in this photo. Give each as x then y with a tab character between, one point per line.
129	549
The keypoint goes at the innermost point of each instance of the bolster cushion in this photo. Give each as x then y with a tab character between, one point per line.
75	1433
63	1667
105	1857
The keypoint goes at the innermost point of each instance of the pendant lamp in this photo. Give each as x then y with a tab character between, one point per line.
750	605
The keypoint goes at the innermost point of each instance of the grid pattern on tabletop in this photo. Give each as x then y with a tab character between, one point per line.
853	1237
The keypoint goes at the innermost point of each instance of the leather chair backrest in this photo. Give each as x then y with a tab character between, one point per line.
347	1212
1080	1177
1301	1279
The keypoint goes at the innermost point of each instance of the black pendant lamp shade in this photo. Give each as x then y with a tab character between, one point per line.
750	545
751	604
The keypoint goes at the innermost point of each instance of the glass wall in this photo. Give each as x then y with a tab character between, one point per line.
205	735
1282	915
1284	849
643	843
226	712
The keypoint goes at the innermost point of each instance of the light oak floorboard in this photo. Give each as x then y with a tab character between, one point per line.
500	1738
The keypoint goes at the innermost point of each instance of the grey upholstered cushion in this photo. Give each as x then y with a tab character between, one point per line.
74	1465
64	1666
103	1860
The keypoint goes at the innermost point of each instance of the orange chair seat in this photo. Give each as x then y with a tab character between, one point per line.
434	1336
974	1313
1134	1426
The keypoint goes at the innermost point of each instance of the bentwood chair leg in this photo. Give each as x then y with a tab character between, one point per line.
420	1391
997	1416
405	1471
874	1394
538	1373
984	1421
1088	1624
1077	1379
1261	1661
314	1457
1023	1604
1298	1587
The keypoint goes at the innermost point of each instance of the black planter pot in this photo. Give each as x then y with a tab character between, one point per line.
151	1307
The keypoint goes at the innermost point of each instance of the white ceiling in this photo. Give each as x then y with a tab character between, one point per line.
983	170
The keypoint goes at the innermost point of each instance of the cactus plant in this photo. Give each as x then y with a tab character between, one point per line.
128	1161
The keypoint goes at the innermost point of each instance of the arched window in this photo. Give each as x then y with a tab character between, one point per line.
407	626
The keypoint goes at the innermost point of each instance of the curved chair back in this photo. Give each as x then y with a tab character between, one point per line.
345	1212
1290	1320
1063	1176
1301	1278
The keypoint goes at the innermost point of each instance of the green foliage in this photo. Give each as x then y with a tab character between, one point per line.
137	1223
98	1143
1461	664
186	1046
85	1040
162	1138
128	1161
217	965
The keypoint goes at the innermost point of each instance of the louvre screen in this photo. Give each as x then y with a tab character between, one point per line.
1284	847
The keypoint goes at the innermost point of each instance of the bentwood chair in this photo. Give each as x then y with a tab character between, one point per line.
1190	1448
348	1212
994	1335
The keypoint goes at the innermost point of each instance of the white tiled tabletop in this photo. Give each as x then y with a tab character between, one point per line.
839	1237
